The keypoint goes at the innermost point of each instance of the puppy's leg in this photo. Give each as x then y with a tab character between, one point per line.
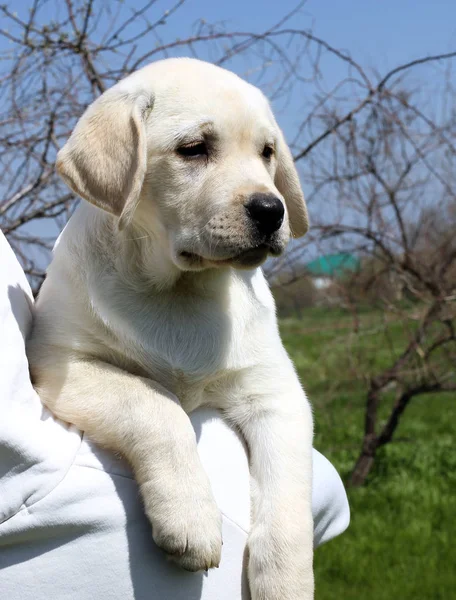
277	426
143	421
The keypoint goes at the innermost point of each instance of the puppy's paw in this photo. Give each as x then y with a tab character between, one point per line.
280	584
279	568
188	529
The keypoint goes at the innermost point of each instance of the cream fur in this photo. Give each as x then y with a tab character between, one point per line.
155	304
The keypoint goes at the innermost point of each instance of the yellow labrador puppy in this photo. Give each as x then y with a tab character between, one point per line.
155	304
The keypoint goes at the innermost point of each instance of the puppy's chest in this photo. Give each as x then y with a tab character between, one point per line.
192	349
192	342
189	347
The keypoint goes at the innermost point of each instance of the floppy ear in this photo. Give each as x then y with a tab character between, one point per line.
288	184
104	161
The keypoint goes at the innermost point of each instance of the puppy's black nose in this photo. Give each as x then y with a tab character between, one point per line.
266	212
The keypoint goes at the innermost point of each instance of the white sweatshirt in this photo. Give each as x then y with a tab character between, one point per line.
71	520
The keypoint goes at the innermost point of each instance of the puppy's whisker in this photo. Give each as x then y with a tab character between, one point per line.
143	237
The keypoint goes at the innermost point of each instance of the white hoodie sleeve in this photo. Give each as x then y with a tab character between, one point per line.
71	520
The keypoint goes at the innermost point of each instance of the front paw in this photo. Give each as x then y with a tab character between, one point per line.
279	568
187	527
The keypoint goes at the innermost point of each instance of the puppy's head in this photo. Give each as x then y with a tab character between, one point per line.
193	154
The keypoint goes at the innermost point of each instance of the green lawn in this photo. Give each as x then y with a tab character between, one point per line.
401	543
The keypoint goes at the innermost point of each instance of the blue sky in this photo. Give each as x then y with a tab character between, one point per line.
378	34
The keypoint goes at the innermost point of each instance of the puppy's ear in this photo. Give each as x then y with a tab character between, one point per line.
288	184
104	161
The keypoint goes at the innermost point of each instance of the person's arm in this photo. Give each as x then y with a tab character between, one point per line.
71	520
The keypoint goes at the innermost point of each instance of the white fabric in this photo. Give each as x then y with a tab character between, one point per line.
71	521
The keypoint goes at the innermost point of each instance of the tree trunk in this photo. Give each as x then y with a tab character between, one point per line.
365	461
362	469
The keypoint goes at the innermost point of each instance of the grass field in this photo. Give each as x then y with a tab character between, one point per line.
401	541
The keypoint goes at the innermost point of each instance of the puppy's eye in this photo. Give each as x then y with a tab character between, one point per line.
193	150
268	151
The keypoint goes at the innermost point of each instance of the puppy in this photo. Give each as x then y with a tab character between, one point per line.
154	305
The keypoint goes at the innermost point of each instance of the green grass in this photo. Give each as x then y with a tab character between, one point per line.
401	541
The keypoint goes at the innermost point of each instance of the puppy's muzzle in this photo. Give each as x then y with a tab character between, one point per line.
265	212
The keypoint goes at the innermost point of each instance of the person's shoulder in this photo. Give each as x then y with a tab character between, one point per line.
35	449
